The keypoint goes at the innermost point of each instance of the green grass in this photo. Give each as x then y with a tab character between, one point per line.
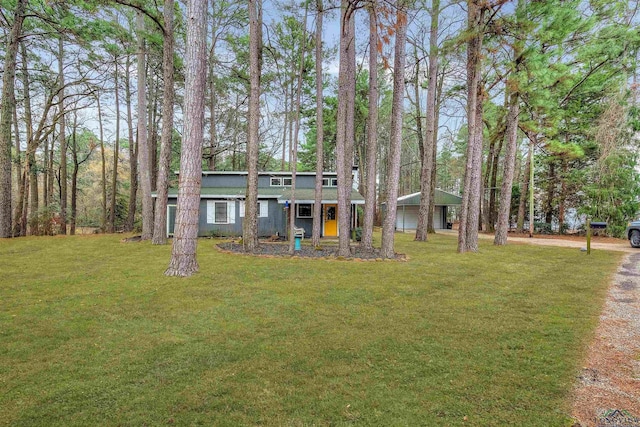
92	333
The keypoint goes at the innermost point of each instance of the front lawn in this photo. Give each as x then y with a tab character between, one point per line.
92	333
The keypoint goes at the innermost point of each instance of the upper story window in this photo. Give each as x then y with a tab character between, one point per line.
329	182
278	181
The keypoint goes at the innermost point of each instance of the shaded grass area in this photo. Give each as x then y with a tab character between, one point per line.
91	332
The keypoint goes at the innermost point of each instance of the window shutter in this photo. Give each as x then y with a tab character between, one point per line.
264	208
241	208
231	212
211	212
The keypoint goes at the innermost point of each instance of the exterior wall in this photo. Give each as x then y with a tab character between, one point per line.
410	220
264	180
274	222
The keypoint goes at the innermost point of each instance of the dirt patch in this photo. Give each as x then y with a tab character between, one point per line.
306	251
608	390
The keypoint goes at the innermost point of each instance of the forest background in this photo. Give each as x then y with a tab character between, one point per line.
83	89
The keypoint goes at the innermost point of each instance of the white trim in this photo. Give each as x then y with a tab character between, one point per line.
263	208
211	212
298	210
324	202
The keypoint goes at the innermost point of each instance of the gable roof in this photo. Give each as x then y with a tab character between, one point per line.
443	198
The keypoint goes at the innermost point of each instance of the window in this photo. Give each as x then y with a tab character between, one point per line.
221	212
263	209
305	211
329	182
277	181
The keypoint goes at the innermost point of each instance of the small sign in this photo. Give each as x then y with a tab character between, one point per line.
617	418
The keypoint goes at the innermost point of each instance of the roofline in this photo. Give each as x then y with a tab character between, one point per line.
264	173
408	196
325	202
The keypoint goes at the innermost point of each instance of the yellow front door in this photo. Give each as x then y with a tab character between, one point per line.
330	220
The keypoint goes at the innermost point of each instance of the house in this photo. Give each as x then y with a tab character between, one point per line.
408	206
222	206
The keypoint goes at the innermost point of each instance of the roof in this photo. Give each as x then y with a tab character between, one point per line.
442	199
303	195
307	195
264	173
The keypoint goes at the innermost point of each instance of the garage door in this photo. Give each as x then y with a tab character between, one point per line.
407	218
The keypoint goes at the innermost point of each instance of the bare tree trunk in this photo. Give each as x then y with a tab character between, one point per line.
32	144
469	208
133	151
63	141
103	164
160	220
524	189
152	126
393	173
372	133
509	167
183	253
476	178
250	224
145	169
6	111
294	159
563	194
116	154
428	161
344	137
213	138
74	175
434	175
48	229
317	206
551	186
18	225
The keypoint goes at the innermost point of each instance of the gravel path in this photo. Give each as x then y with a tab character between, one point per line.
608	390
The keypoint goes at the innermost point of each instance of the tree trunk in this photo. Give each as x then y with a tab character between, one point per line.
344	125
18	225
63	141
145	167
563	194
434	175
6	111
116	153
213	138
393	172
152	126
509	166
74	175
133	151
103	171
32	144
183	253
428	161
160	220
294	158
469	210
317	207
551	185
524	189
250	224
372	133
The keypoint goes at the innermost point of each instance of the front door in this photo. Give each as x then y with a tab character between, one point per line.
330	220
